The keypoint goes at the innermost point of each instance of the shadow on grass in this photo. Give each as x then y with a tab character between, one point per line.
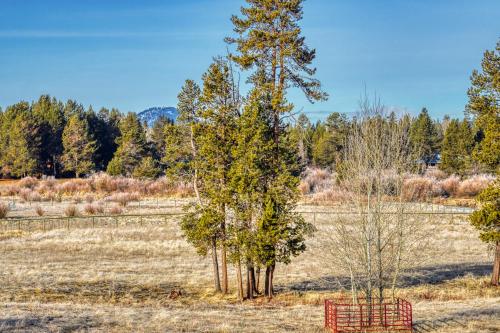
32	323
456	320
424	275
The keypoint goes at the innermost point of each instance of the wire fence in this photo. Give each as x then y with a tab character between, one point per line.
30	224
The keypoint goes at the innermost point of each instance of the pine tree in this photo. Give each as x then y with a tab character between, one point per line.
328	148
106	132
213	136
20	157
147	169
20	141
131	146
78	147
180	143
157	137
269	42
484	107
487	221
457	147
250	175
301	134
50	113
424	137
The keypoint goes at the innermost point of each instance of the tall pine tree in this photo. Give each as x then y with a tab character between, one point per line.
78	146
269	42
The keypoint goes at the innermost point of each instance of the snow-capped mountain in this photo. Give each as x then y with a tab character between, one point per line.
152	114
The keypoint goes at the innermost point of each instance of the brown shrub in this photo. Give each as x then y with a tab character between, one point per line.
304	187
71	211
35	197
115	210
39	211
28	182
90	209
11	190
99	208
433	172
50	195
474	185
25	194
450	185
330	196
317	180
418	188
4	210
89	198
121	198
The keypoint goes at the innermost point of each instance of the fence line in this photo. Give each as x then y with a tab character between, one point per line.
92	221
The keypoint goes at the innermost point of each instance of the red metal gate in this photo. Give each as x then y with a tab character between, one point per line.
343	316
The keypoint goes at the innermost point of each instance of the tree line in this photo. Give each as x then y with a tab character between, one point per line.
50	137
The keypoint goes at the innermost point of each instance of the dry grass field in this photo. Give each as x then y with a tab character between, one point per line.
146	278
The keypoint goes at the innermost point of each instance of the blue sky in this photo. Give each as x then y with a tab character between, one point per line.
136	54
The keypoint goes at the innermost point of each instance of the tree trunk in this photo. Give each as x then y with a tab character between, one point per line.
257	283
54	166
495	277
250	282
215	266
252	278
239	278
268	288
195	176
224	270
223	254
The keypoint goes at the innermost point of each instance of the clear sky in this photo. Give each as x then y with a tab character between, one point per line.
135	54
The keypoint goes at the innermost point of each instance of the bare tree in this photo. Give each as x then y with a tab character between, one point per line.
375	244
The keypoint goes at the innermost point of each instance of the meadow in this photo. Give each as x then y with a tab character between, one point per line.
144	277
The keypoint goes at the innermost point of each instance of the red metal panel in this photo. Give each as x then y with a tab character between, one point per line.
343	316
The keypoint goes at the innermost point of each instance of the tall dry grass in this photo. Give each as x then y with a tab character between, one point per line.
4	210
97	186
319	186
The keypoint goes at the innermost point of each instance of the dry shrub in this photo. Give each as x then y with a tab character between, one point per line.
474	185
418	188
435	173
74	186
28	182
77	199
330	196
103	182
99	209
115	210
316	180
25	194
121	198
135	196
35	197
89	198
50	195
90	209
4	210
159	186
304	187
183	190
71	211
11	191
39	211
450	185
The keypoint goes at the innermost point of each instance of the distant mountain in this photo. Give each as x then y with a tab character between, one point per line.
151	115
